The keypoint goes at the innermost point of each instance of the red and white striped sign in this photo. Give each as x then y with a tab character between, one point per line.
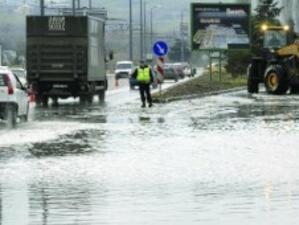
160	68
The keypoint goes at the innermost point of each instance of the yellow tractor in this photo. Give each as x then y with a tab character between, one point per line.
278	65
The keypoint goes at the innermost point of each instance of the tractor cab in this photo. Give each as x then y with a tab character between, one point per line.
275	37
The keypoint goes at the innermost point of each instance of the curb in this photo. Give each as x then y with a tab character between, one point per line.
201	95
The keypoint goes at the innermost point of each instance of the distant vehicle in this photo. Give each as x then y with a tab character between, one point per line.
66	57
21	74
124	69
13	98
187	70
170	73
179	69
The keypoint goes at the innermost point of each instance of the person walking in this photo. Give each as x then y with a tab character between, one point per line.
144	76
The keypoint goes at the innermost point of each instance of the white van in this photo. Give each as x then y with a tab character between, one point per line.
124	69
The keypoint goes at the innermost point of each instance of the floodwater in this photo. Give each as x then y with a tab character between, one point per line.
229	159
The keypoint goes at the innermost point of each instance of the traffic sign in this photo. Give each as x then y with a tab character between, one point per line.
160	48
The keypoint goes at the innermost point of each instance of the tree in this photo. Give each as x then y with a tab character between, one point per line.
267	12
237	62
175	51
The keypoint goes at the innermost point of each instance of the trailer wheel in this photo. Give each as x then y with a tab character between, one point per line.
276	82
102	96
82	100
89	99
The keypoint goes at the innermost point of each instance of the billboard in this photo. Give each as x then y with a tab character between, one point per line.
220	26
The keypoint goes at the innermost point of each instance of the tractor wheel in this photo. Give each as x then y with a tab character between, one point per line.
276	82
252	81
252	85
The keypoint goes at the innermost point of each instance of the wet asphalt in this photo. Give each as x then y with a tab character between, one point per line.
225	159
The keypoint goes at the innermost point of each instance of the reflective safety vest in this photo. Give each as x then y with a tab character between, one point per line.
144	75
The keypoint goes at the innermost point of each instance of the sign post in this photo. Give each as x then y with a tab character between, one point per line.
160	50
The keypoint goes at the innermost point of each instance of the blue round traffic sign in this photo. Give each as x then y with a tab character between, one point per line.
160	48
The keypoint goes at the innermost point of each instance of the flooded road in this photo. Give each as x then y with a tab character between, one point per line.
227	159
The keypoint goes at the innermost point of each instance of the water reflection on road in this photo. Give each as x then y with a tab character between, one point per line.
227	159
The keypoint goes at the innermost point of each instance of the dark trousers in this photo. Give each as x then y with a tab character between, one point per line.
145	89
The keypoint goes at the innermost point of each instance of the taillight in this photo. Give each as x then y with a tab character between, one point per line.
8	83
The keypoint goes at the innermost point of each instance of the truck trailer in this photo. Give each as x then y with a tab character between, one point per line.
66	57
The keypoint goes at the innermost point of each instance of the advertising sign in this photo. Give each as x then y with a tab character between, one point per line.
220	26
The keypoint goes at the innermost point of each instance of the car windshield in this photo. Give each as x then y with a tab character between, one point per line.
19	73
124	66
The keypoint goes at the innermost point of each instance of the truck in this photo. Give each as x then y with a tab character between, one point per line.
66	57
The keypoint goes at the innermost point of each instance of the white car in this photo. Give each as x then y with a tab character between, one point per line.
13	98
124	69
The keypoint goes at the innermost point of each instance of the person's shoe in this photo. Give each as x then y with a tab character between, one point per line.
143	105
150	105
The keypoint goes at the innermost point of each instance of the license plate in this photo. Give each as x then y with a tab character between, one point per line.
59	86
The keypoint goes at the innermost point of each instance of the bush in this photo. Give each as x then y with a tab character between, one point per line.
238	62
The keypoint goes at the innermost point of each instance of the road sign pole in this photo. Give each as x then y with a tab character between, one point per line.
220	66
160	70
210	65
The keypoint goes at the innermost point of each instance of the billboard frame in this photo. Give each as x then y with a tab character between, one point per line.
219	4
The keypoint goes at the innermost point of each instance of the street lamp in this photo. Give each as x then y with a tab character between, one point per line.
130	32
141	29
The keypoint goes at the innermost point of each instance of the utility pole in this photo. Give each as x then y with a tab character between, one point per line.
152	32
145	30
42	7
131	32
141	29
182	38
151	20
90	4
74	7
78	4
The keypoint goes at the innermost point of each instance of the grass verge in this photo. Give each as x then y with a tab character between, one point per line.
200	86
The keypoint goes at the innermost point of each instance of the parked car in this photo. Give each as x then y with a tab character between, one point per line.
124	69
21	74
13	98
